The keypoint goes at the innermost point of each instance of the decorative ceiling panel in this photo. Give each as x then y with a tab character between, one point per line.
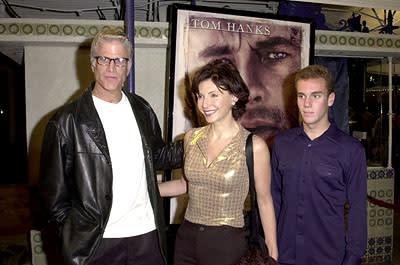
61	9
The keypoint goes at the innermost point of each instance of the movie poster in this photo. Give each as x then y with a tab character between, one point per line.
267	50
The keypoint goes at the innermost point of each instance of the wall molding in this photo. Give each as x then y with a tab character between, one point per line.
155	34
356	44
74	32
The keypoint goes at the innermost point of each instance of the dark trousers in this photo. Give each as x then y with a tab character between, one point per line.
136	250
208	245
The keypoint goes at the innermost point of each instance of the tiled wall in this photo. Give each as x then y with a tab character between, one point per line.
380	219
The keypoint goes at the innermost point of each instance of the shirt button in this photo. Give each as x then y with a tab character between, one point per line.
108	197
201	229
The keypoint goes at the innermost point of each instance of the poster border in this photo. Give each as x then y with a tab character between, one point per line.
173	12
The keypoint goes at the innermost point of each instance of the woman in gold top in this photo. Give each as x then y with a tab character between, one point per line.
216	176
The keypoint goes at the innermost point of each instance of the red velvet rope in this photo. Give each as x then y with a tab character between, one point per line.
383	203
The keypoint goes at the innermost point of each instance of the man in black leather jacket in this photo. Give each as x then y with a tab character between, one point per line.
98	167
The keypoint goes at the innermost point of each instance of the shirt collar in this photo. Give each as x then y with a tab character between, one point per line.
331	132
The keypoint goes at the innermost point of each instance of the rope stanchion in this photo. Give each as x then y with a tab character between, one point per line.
384	204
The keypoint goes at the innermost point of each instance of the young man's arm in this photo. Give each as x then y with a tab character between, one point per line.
276	181
356	237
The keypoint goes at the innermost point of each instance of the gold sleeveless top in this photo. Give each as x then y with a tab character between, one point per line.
216	193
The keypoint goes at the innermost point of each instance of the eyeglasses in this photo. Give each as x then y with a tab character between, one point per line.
119	62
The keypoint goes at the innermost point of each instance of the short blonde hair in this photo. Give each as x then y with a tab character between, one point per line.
110	35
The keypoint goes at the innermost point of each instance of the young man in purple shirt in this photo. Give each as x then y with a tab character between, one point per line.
316	170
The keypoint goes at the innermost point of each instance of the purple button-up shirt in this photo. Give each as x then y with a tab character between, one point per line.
311	182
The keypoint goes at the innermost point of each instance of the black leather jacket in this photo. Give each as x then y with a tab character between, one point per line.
76	174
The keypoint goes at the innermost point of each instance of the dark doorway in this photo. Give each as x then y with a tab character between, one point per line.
13	158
